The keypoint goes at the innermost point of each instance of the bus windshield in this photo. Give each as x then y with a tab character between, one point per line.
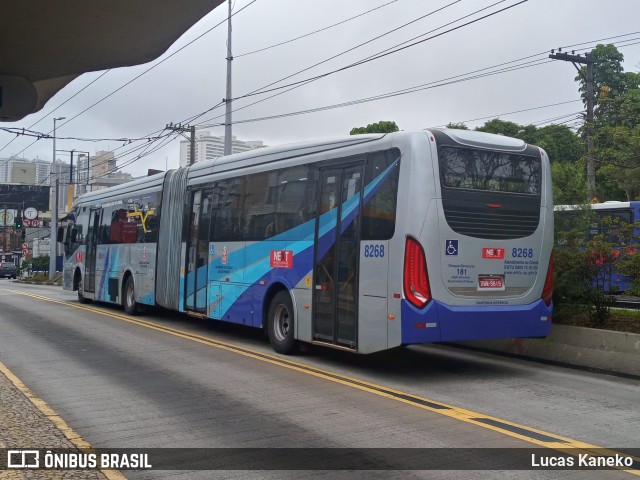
487	170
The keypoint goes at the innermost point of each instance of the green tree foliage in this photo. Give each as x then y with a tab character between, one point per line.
501	127
588	251
569	183
608	78
459	126
560	142
616	124
379	127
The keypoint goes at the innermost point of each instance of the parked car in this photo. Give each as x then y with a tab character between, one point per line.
7	269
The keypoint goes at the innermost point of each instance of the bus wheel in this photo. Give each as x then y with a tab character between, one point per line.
130	305
81	297
280	324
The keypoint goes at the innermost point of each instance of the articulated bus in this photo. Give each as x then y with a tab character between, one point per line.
364	243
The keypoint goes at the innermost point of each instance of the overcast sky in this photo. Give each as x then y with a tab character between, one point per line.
193	80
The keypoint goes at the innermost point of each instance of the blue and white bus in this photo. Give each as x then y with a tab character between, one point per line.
601	219
363	243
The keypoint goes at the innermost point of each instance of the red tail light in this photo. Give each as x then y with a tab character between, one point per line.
416	278
547	291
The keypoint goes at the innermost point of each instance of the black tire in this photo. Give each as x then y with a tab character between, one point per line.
129	297
281	324
81	297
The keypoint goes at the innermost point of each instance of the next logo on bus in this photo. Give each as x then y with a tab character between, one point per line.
493	253
281	259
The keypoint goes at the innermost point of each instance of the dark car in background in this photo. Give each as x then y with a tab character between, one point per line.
7	269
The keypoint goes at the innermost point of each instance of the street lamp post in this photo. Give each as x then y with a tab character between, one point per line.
53	245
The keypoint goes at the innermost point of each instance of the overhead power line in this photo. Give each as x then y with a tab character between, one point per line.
315	31
405	91
539	61
496	115
143	73
385	52
59	106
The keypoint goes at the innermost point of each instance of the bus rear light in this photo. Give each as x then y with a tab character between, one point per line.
547	290
416	278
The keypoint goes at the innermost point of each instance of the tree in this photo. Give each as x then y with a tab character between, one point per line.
459	126
569	183
500	127
608	78
616	143
560	142
380	127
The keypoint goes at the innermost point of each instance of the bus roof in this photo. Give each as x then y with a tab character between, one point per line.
140	185
611	205
280	152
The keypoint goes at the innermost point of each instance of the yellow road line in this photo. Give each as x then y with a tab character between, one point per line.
54	418
519	431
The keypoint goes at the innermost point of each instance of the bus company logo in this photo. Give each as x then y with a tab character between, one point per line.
224	258
78	257
493	253
23	459
451	248
281	259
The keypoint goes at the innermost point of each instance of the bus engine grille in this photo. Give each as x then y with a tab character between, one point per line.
496	224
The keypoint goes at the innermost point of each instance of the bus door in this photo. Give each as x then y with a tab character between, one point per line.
92	246
197	261
337	240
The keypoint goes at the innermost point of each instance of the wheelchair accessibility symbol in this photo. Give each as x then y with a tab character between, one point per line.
451	247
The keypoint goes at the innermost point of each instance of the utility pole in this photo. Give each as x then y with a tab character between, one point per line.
53	244
192	138
70	190
588	61
192	156
227	100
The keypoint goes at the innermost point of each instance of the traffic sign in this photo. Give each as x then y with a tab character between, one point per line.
32	223
30	213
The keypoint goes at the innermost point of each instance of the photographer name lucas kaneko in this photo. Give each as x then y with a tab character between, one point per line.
583	460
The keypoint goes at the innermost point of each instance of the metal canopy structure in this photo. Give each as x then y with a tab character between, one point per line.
45	44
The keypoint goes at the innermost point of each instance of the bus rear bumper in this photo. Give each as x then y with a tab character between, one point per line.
438	322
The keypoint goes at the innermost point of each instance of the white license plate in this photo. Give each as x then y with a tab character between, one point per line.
491	283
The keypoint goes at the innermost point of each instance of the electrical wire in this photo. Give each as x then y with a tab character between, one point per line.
369	58
59	106
427	86
496	115
314	32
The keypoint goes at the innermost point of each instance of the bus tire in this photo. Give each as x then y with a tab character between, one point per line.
281	323
129	297
81	297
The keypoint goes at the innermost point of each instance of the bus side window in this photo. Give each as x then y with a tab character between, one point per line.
379	210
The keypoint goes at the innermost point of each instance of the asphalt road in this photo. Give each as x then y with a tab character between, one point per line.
167	380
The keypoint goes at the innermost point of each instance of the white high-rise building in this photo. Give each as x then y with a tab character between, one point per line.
209	147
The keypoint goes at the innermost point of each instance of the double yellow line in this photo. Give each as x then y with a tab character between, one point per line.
522	432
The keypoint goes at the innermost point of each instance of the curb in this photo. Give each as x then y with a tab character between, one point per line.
590	348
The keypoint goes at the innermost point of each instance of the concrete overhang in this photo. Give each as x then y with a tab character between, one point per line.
45	44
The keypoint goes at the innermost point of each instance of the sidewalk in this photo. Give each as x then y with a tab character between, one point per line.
27	422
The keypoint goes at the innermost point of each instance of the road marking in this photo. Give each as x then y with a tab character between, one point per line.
54	418
522	432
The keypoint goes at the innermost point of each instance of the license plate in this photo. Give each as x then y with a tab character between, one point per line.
491	283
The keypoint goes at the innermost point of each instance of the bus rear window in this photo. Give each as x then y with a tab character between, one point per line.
487	170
